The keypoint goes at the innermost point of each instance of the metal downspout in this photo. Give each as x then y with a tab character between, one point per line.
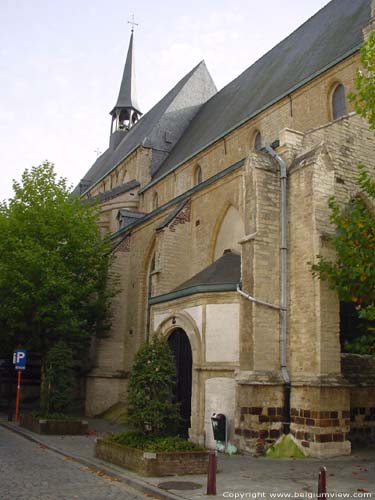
283	305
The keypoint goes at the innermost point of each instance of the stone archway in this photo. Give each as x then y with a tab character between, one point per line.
172	321
180	346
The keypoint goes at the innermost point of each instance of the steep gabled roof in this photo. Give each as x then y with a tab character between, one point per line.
162	126
326	38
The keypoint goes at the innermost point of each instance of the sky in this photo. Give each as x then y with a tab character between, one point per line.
61	63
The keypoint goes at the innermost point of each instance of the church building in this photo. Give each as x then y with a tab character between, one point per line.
216	203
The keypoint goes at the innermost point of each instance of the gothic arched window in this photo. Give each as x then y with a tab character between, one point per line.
338	102
258	141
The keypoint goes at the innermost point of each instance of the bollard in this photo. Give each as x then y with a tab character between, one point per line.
211	476
322	483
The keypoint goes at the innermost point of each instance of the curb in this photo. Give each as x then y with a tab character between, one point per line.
137	484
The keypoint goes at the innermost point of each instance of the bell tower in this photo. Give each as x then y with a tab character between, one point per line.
126	111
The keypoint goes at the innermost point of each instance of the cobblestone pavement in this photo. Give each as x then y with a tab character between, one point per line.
29	471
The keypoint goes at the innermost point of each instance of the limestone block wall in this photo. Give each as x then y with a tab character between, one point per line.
259	343
326	165
135	166
183	248
313	325
359	370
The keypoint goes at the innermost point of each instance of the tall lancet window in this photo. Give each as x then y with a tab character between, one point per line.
258	141
339	102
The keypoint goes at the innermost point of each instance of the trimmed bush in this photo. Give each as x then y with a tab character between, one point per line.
151	409
155	444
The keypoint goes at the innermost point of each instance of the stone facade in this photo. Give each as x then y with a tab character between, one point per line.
235	341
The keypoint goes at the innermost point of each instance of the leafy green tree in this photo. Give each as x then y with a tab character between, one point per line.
364	99
54	267
352	274
151	409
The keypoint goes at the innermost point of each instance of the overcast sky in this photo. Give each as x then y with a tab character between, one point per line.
61	63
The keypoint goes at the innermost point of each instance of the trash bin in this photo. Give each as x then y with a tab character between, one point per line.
219	427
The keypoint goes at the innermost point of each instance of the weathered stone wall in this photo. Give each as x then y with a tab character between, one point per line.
359	370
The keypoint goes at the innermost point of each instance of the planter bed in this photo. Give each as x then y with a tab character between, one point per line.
152	464
59	427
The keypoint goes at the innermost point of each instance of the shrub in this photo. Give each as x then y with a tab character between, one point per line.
151	409
154	444
58	379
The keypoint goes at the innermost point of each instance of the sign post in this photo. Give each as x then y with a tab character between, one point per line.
19	361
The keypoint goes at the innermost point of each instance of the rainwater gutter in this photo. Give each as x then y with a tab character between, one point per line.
283	299
283	304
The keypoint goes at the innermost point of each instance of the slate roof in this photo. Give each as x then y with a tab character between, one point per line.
330	35
225	270
127	217
172	114
123	188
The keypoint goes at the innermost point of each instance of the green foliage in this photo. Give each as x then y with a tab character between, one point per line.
352	274
58	379
154	444
53	268
362	345
151	409
51	416
364	99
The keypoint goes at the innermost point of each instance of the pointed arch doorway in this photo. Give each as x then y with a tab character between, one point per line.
181	349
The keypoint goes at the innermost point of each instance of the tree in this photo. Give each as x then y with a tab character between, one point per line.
352	274
364	99
54	267
151	409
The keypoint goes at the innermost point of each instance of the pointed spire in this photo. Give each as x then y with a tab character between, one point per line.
127	95
126	111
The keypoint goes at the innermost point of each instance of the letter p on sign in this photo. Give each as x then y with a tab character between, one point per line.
19	359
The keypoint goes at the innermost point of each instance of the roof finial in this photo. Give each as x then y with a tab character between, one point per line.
132	23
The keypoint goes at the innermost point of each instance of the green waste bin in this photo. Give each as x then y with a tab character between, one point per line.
219	427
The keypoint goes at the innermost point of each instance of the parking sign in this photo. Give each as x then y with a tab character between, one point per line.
19	359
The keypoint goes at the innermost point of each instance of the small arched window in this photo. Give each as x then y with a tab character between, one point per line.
198	175
155	201
338	102
258	141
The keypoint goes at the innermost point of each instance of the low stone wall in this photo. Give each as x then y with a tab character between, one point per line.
57	427
359	370
152	464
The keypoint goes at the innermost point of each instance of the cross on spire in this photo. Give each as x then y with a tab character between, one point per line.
132	23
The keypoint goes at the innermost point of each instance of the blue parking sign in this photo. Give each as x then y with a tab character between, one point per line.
19	359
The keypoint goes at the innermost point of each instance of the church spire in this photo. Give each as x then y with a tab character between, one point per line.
126	111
